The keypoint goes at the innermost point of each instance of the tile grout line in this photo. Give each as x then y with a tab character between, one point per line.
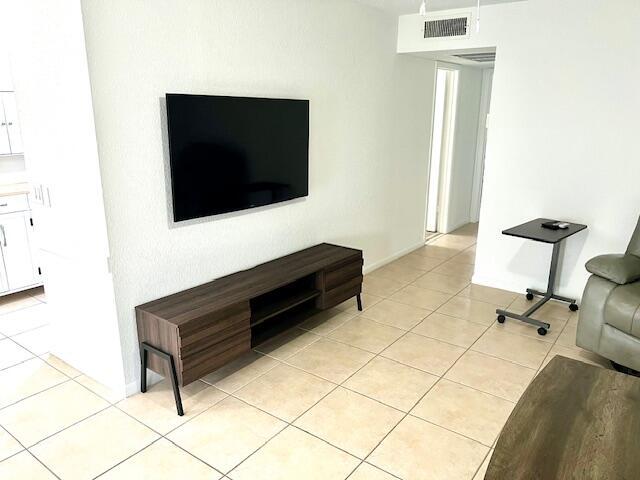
28	330
419	400
35	355
21	361
160	435
483	460
114	405
353	374
36	393
313	405
29	452
28	449
130	456
110	404
68	427
379	355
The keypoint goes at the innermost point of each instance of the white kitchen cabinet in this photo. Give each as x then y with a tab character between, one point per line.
6	84
18	269
11	122
16	250
5	146
4	282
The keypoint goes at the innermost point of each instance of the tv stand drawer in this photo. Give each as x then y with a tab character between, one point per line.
233	318
214	356
340	294
339	275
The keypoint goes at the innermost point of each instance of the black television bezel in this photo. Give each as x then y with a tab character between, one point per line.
250	207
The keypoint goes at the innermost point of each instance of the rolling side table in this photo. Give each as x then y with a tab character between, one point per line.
533	231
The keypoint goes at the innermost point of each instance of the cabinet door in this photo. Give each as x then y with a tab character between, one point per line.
11	119
5	73
14	239
5	149
4	283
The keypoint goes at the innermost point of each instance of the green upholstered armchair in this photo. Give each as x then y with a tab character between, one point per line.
609	321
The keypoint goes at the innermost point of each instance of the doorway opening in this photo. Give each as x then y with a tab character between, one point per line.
458	143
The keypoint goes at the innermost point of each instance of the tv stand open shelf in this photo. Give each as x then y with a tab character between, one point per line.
276	308
194	332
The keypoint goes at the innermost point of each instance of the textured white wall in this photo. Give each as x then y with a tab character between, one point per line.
370	127
49	65
562	139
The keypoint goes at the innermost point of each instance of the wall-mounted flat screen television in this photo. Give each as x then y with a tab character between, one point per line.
233	153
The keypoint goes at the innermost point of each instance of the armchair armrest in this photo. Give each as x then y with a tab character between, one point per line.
620	269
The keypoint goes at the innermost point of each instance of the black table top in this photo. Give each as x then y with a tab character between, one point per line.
533	231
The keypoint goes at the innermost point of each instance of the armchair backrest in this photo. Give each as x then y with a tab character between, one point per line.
634	243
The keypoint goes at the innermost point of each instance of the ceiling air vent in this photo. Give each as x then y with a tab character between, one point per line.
478	57
446	27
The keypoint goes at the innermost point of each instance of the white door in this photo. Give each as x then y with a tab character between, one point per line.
5	148
444	118
11	118
4	283
16	250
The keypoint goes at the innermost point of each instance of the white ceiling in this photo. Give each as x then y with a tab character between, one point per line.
402	7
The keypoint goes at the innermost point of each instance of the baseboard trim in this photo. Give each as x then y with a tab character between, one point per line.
132	388
488	281
517	287
391	258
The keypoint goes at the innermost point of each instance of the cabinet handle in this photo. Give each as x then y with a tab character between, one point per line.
4	236
3	204
10	123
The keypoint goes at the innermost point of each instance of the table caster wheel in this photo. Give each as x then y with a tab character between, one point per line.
501	318
529	296
542	331
573	307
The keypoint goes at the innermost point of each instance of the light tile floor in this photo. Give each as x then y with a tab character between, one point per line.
418	386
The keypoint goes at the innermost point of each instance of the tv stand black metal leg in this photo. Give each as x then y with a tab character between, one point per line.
145	348
359	300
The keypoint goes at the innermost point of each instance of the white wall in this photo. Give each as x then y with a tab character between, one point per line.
464	148
370	116
51	80
562	136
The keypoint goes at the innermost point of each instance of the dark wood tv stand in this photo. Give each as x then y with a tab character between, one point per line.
196	331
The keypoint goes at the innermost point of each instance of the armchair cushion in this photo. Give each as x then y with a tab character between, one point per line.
620	269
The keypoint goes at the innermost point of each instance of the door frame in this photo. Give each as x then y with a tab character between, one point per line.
481	144
446	152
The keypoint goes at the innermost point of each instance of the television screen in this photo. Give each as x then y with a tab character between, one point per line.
233	153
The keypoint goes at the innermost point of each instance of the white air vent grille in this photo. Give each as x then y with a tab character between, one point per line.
478	57
446	27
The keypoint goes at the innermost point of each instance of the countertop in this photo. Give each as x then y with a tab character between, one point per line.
14	188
